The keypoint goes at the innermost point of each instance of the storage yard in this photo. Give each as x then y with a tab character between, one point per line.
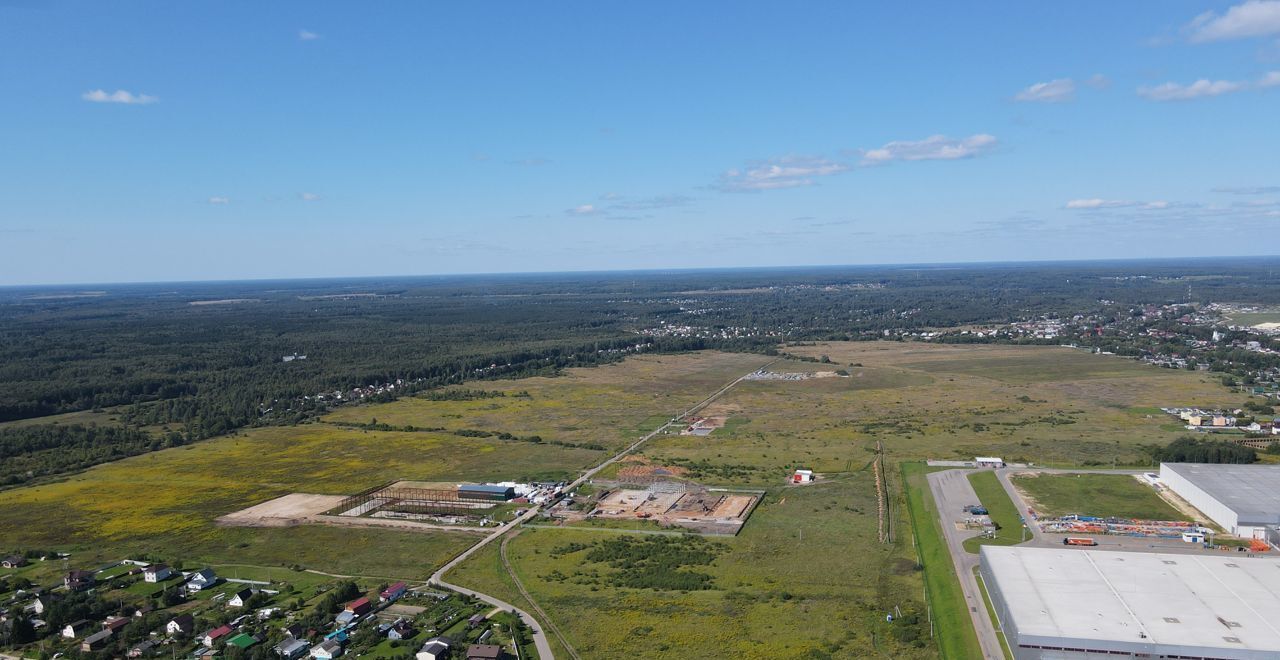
1078	603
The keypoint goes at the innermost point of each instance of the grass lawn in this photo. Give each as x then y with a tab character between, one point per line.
991	613
1003	513
1095	495
952	624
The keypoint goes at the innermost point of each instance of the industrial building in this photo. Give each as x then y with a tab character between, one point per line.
490	492
1243	499
1074	603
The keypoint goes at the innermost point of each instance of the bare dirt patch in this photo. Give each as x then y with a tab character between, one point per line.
638	470
283	511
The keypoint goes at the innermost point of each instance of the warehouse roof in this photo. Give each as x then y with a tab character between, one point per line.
485	488
1220	606
1249	490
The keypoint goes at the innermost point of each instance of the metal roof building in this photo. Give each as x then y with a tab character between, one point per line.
486	492
1243	499
1073	603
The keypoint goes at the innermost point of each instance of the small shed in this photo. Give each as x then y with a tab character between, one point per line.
989	461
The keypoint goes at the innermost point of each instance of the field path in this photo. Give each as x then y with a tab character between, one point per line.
524	592
540	637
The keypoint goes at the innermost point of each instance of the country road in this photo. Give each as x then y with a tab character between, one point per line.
539	635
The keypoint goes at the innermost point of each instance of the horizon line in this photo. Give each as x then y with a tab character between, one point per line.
646	271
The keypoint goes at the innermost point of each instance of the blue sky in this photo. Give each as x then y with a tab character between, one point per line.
169	140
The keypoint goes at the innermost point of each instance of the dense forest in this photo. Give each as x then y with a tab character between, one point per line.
190	361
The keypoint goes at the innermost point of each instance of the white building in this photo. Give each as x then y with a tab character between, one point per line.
802	476
1242	499
989	461
1076	604
156	573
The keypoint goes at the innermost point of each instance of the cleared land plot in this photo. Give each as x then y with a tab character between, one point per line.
1106	495
291	509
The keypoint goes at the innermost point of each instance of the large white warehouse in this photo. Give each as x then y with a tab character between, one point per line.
1075	604
1242	499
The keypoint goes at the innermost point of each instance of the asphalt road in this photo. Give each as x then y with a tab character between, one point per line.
539	636
952	492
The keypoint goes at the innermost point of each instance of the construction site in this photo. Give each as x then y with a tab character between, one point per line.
666	503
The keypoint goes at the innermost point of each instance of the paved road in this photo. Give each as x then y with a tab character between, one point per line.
539	636
951	493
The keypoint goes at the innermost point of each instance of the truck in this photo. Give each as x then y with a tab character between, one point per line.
1079	540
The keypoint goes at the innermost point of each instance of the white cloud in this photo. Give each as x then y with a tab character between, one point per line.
307	35
1202	88
1254	18
1098	81
1054	91
779	173
936	147
1248	190
583	209
651	203
1096	203
308	196
1157	205
219	200
118	96
1171	91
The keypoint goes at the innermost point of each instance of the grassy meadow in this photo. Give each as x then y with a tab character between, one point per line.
1094	495
608	406
805	578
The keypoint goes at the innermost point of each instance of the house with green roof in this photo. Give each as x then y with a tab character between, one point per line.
243	640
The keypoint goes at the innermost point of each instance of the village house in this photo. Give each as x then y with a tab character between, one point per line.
78	580
393	592
182	624
401	630
327	650
293	630
292	649
484	652
43	602
243	641
210	638
76	629
156	573
144	649
435	648
114	623
202	579
16	561
240	598
96	641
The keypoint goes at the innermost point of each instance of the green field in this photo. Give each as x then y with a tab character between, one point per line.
1116	495
956	637
791	584
1254	318
1003	513
607	406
